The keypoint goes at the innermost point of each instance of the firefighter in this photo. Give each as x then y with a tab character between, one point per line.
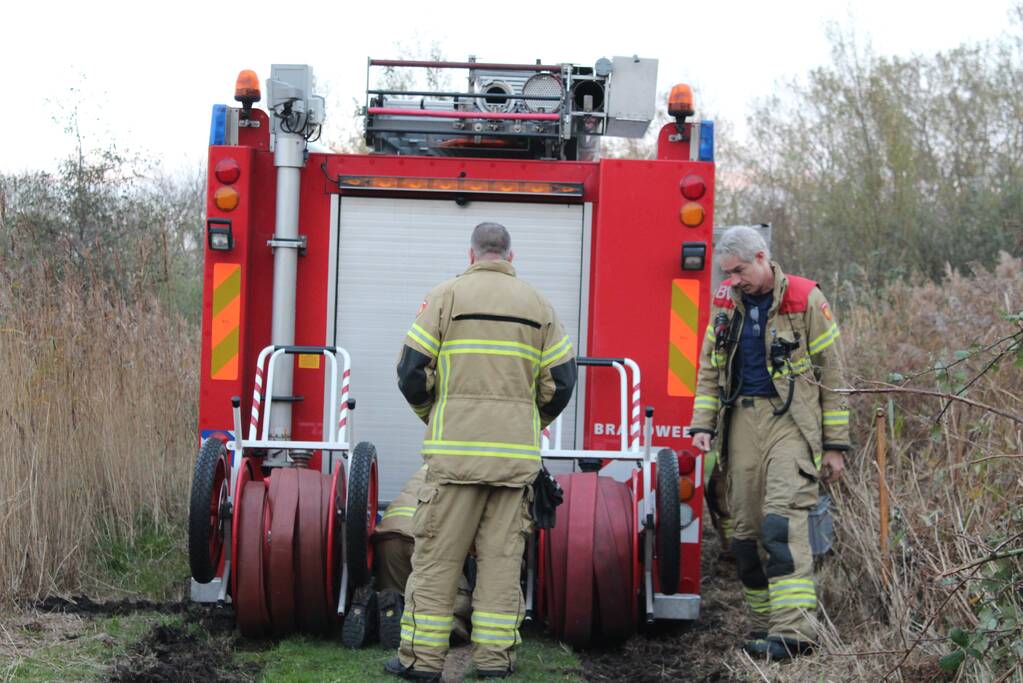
767	369
392	560
486	365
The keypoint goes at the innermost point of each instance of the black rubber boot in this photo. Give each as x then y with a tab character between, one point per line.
391	607
393	666
361	619
777	648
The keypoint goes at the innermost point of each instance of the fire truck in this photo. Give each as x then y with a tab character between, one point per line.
316	263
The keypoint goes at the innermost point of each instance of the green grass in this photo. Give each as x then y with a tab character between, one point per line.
301	660
82	655
152	563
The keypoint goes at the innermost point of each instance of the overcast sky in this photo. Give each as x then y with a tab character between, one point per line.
144	75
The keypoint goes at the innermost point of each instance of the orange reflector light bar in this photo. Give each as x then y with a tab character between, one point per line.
691	214
469	185
226	198
686	489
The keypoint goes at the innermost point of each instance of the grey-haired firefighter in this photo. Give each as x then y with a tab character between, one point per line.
486	365
393	544
767	369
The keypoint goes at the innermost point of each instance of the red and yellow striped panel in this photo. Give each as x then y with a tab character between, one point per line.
227	310
684	343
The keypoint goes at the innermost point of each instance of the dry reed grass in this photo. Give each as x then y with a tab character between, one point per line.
98	411
97	428
950	506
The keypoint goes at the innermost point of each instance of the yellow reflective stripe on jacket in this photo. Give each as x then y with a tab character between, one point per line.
443	374
491	346
423	410
825	340
717	360
797	368
481	448
836	417
706	402
711	336
425	339
556	352
400	511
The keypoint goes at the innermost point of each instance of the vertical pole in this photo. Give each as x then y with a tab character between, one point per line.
289	158
882	460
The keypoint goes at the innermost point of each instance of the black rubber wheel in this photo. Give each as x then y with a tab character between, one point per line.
361	619
668	528
207	505
361	516
392	606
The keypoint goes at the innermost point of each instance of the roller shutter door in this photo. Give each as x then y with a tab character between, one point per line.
390	253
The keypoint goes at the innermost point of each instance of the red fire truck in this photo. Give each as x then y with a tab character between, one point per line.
316	263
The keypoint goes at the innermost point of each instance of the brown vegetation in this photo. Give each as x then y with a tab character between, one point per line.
97	427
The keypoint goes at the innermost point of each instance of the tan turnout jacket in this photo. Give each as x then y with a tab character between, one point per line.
821	415
486	365
397	518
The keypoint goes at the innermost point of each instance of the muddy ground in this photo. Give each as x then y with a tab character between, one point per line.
201	648
682	651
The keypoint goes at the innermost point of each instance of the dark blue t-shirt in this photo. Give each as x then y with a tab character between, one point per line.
756	380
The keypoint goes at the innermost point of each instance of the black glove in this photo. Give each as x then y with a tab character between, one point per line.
547	496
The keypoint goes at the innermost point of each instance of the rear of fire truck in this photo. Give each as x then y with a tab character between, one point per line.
319	262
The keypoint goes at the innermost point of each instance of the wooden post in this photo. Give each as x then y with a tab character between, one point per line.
882	459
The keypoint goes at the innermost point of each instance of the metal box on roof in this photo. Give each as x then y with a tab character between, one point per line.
631	94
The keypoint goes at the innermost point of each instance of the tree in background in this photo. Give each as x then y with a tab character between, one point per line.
108	220
881	167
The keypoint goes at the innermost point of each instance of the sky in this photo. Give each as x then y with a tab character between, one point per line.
143	76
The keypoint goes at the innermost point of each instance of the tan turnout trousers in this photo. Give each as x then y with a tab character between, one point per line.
448	520
772	485
393	557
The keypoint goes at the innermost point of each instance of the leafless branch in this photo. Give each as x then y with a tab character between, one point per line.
936	394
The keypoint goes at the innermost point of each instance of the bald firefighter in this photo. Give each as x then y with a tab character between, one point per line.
487	365
393	544
767	369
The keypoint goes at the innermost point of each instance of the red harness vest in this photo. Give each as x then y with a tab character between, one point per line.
795	299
